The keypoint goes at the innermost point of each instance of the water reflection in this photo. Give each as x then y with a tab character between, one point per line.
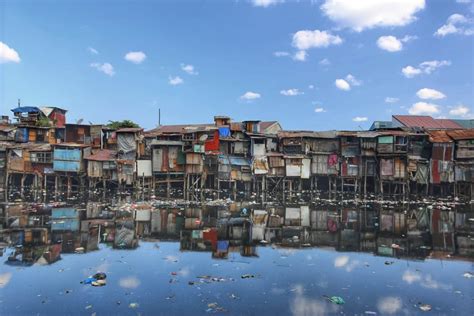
40	233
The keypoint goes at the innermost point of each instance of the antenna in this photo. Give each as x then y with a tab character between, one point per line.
19	102
159	117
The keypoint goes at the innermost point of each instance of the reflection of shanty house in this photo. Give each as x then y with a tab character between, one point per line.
464	164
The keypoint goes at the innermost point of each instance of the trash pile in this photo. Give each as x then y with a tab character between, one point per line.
98	279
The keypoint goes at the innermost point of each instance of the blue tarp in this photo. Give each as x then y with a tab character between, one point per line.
224	132
222	245
26	109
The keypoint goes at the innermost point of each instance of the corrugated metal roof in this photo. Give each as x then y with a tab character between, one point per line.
308	134
461	134
425	121
465	123
439	136
103	155
167	142
129	130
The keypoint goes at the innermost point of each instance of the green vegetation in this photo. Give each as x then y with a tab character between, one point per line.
43	122
122	124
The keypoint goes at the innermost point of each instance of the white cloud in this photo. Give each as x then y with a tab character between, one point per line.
249	95
389	43
291	92
352	80
189	69
92	50
324	62
281	54
391	100
426	67
174	81
423	108
300	55
410	71
389	305
456	24
360	119
346	83
311	87
8	54
430	94
342	84
430	66
319	110
360	15
106	68
135	57
265	3
306	39
460	110
463	1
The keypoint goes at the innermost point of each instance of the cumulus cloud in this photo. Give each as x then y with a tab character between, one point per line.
410	71
174	81
249	95
389	305
324	62
360	15
129	282
291	92
352	80
392	44
391	100
389	43
189	69
281	54
360	119
342	84
311	87
319	110
135	57
300	55
460	111
426	67
106	68
8	54
430	94
423	108
456	24
306	39
265	3
92	50
346	83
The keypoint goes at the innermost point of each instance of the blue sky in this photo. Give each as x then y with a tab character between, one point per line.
314	65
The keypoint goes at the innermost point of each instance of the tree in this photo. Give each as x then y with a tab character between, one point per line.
122	124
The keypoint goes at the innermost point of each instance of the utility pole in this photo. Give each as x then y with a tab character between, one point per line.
159	117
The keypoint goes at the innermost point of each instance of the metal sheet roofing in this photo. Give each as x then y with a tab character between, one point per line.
308	134
427	122
461	134
439	136
103	155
